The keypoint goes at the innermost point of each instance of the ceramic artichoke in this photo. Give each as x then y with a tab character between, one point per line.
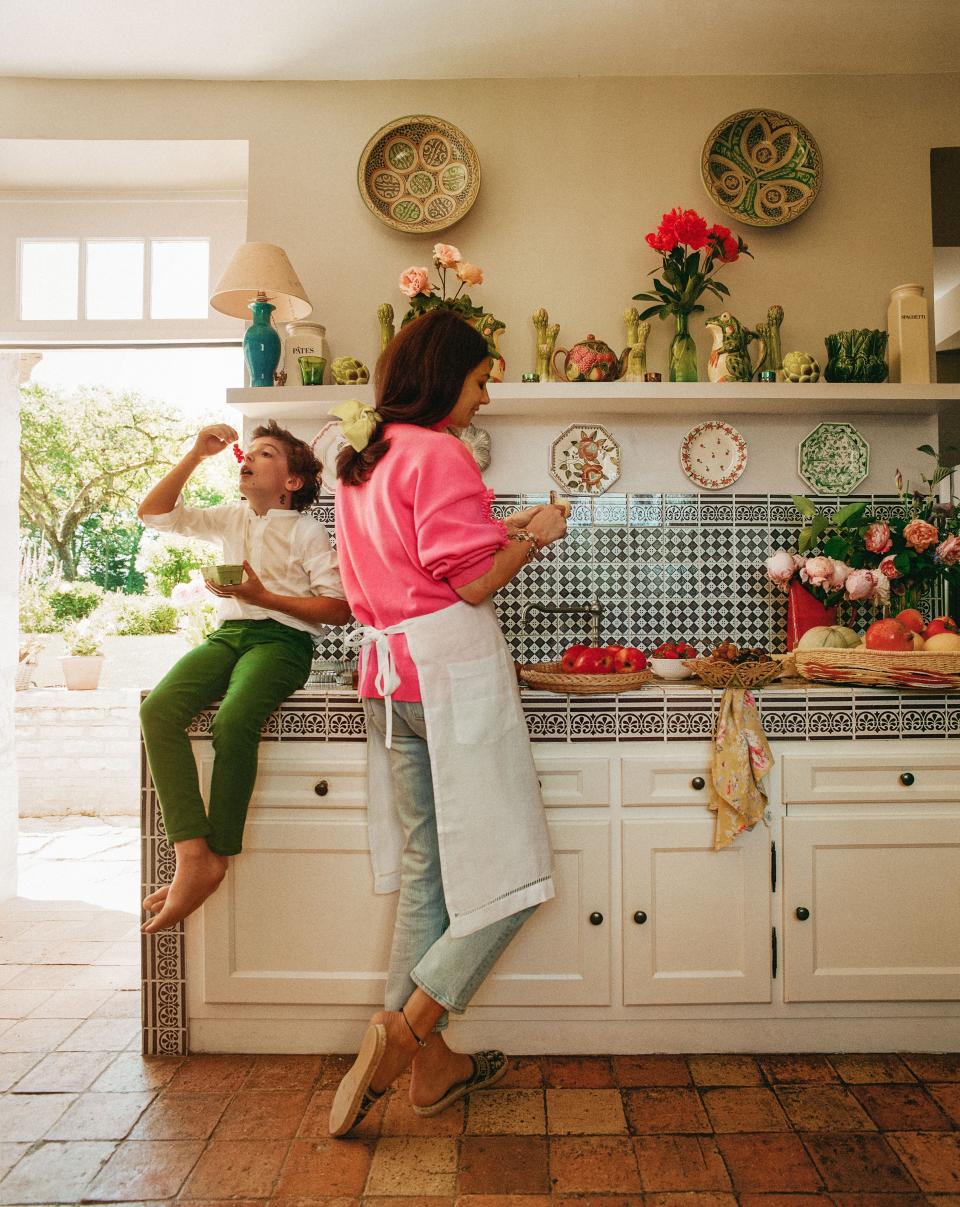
856	355
800	367
348	371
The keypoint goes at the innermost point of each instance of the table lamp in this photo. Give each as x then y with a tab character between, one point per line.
260	278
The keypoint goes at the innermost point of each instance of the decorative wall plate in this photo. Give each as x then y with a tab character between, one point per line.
834	459
477	440
713	455
326	446
585	459
419	174
762	167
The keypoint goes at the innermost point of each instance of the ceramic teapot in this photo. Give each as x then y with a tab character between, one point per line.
590	360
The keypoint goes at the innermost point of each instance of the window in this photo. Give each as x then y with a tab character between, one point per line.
110	278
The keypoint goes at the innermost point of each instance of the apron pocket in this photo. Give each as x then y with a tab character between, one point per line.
483	700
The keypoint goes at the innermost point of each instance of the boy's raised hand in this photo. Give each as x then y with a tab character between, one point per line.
214	439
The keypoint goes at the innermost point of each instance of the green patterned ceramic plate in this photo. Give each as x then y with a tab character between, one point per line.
834	459
419	174
762	167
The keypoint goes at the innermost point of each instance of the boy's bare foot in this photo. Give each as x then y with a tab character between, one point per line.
153	901
199	872
435	1069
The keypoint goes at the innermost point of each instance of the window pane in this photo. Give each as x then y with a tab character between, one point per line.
179	278
49	276
114	279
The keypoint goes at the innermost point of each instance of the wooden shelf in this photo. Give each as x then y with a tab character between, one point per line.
563	399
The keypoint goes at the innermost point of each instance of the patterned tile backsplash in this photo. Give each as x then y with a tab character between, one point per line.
660	566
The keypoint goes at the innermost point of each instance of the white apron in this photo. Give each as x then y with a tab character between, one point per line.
495	856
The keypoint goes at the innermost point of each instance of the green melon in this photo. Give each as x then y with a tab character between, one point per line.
834	636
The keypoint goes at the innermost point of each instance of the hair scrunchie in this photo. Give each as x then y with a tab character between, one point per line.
358	421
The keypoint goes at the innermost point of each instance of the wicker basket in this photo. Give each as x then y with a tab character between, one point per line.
716	673
913	669
547	676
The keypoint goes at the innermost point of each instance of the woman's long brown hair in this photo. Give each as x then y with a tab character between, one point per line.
417	380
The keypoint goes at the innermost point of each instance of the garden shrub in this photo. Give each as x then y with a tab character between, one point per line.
75	601
140	615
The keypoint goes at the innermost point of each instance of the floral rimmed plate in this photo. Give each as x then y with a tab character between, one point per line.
713	455
585	459
419	174
762	167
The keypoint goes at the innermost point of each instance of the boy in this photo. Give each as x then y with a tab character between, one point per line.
260	654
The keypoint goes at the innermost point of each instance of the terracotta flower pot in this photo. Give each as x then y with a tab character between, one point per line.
82	673
805	611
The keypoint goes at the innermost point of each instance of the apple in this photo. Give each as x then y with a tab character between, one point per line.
888	635
911	619
570	655
943	643
592	661
940	624
628	660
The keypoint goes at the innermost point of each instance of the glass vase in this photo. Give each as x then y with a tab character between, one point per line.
683	352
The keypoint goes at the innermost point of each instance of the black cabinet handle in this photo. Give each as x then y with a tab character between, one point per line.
596	918
698	783
802	913
321	788
907	778
639	917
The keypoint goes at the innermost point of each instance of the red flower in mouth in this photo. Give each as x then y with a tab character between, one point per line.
238	453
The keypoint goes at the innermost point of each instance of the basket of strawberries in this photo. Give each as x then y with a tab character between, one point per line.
586	670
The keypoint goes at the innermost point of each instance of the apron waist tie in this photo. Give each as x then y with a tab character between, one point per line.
387	680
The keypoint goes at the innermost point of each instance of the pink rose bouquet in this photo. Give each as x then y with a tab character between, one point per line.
424	295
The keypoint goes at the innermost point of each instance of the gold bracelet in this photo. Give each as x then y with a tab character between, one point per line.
534	549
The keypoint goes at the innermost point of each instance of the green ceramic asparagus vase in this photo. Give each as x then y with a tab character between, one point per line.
683	352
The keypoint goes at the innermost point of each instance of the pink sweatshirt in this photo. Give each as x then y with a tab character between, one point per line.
416	529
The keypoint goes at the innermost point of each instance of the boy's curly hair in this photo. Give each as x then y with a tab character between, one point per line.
300	461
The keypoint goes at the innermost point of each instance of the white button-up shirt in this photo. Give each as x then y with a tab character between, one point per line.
289	551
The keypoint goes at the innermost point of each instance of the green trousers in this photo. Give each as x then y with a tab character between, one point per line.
253	665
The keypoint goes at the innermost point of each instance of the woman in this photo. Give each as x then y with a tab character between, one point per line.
456	816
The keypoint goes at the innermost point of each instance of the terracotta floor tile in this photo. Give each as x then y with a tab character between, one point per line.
333	1167
933	1158
40	976
903	1107
9	972
857	1067
13	1065
10	1154
504	1165
104	976
690	1198
72	1003
771	1161
722	1069
650	1070
577	1072
879	1200
37	1034
333	1069
263	1115
180	1117
54	1173
102	1035
490	1200
665	1109
315	1123
948	1096
18	1003
595	1163
680	1163
823	1108
230	1168
513	1112
585	1113
145	1169
759	1199
746	1109
130	1071
413	1165
100	1116
857	1163
597	1200
120	1003
397	1200
934	1066
60	1072
222	1074
284	1073
523	1073
400	1119
809	1067
30	1116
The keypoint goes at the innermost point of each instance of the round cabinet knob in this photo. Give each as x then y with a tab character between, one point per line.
907	778
596	918
321	788
802	913
639	917
698	783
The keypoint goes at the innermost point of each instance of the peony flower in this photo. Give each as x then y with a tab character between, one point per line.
920	535
839	575
414	281
469	273
446	254
686	226
726	247
781	568
661	241
877	537
948	551
860	584
888	569
817	571
881	592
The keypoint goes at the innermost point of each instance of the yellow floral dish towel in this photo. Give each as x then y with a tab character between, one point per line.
741	758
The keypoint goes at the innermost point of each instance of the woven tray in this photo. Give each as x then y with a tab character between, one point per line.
914	669
716	673
547	676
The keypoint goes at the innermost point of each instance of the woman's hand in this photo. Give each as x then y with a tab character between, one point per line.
549	524
520	519
214	439
251	590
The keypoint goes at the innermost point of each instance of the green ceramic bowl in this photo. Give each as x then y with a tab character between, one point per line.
224	576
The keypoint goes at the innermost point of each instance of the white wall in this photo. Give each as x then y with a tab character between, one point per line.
9	487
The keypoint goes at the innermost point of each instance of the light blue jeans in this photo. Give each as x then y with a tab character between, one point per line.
424	953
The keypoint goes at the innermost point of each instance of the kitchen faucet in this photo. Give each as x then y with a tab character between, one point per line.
593	610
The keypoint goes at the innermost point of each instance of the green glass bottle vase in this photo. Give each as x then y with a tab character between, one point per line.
683	352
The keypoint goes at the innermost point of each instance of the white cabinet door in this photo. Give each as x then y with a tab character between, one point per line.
561	956
696	922
882	898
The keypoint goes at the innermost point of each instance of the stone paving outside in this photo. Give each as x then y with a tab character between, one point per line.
85	1118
